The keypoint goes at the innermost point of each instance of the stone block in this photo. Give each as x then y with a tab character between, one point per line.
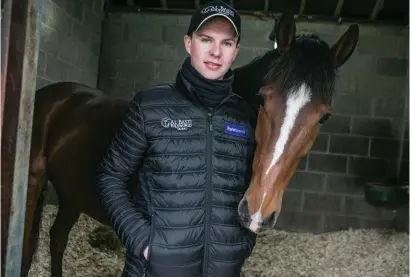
135	70
160	52
113	32
307	181
377	224
374	86
370	168
257	38
327	163
292	200
378	46
174	35
392	66
337	124
57	70
300	222
356	205
384	148
335	223
166	71
321	142
344	184
388	107
49	40
351	105
345	85
376	127
144	33
321	202
344	144
82	34
303	163
122	88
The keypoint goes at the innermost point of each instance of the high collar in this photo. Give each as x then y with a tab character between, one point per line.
209	92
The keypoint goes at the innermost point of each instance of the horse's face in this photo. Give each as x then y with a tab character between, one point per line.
297	101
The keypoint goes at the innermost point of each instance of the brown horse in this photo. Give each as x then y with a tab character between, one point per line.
297	96
73	125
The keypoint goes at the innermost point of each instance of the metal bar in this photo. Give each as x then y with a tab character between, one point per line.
197	4
266	6
378	6
338	8
20	91
232	3
302	7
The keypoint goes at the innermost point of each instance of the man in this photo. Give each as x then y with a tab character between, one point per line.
192	144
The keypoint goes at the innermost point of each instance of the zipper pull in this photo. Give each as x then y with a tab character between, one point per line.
210	121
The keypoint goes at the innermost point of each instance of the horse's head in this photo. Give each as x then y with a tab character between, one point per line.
297	94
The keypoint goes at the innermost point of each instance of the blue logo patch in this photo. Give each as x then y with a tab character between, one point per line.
236	130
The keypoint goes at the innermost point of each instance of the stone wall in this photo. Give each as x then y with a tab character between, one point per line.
70	42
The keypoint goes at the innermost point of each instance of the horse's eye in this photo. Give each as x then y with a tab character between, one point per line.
324	118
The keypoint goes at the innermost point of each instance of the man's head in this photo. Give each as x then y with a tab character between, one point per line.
212	39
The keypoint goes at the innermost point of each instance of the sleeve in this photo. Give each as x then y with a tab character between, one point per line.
123	157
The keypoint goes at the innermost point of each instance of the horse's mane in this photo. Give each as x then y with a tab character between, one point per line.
309	62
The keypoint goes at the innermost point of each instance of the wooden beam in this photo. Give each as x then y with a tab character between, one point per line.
302	7
378	6
164	4
338	8
21	74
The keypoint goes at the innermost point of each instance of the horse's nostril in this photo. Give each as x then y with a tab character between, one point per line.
269	219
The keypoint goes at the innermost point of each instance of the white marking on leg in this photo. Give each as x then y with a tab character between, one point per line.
294	104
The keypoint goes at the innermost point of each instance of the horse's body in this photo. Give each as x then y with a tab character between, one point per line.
73	126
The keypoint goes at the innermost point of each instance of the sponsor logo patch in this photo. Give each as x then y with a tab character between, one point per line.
236	130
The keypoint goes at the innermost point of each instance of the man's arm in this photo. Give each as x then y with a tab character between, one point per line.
123	157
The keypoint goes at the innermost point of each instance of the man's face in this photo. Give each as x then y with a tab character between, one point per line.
213	48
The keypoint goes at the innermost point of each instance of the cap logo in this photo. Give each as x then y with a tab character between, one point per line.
220	9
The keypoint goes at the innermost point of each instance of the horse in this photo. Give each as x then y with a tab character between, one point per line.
297	94
73	126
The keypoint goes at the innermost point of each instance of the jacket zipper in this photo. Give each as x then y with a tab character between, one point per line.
209	196
209	187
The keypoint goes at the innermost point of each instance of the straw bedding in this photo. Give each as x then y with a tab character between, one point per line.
352	253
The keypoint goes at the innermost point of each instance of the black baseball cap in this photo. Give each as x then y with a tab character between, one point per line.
212	9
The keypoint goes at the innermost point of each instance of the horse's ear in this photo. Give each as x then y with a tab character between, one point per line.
344	47
285	32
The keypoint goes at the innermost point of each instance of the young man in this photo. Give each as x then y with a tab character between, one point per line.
192	144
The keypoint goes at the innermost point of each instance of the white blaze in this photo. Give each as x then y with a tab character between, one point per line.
294	104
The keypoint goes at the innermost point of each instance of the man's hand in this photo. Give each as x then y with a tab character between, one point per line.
146	253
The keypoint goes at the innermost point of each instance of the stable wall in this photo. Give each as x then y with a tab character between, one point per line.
366	139
70	41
